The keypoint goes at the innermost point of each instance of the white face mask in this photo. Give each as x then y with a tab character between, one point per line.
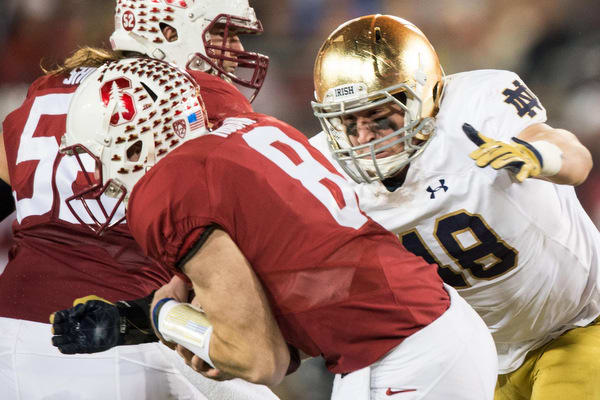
384	166
360	162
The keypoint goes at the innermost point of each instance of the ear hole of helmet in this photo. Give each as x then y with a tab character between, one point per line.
435	91
134	151
378	35
401	97
168	32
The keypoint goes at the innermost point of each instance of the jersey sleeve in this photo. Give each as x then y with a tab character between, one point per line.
509	106
520	106
497	103
319	142
221	98
172	205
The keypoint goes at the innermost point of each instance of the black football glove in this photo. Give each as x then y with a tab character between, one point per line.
95	324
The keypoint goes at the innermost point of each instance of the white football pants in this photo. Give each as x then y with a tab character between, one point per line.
454	358
32	369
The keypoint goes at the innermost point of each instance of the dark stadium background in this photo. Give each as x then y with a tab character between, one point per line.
553	44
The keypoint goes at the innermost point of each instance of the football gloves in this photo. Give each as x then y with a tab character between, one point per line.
519	157
94	324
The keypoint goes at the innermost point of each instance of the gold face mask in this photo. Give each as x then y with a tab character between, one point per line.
371	62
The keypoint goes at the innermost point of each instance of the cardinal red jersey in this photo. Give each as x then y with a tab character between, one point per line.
55	259
220	98
339	284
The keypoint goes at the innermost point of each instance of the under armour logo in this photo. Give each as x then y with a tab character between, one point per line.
523	100
442	186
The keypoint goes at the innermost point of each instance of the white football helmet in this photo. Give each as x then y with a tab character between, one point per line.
127	116
369	62
138	27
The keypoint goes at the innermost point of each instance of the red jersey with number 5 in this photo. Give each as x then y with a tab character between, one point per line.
340	285
55	259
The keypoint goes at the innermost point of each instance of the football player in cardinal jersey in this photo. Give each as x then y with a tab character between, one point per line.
465	171
56	257
200	35
276	247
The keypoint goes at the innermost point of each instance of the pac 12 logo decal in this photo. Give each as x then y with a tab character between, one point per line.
180	128
128	21
115	91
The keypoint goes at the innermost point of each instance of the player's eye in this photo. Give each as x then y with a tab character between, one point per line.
384	123
351	129
350	124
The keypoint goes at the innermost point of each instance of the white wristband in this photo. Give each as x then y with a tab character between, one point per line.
551	157
183	324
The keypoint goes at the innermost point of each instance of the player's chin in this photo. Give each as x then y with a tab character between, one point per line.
384	154
230	69
387	153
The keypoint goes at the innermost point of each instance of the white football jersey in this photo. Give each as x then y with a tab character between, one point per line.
524	256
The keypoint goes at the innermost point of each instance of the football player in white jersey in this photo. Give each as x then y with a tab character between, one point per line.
464	169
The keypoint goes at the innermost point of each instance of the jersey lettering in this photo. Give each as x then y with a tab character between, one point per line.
41	149
231	125
295	160
45	150
77	75
415	244
468	240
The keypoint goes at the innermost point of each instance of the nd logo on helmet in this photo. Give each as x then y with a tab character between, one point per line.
114	91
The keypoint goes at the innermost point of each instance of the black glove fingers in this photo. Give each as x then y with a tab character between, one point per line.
61	316
61	328
61	340
80	310
70	348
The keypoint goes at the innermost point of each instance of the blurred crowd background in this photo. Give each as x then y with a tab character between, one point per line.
553	44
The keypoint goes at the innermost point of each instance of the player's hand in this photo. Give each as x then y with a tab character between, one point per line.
91	326
519	157
201	366
95	324
177	289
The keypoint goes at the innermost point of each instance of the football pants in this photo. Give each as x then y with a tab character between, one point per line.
566	368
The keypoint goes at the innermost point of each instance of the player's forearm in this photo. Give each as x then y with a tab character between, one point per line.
576	159
261	359
246	340
223	349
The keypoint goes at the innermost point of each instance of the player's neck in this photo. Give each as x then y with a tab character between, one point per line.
394	182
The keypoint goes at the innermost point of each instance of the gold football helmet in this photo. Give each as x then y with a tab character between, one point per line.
367	63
